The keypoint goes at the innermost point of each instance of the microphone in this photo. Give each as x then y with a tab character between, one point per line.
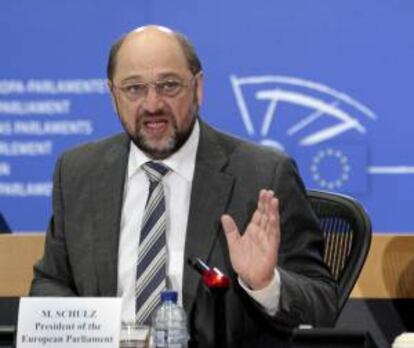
213	278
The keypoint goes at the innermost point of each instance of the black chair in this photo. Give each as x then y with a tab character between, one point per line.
4	227
347	232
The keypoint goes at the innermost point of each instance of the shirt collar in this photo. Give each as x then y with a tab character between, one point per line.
181	162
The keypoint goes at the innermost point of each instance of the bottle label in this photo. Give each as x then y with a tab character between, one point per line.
160	338
171	338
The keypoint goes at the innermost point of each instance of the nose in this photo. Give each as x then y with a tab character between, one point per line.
152	101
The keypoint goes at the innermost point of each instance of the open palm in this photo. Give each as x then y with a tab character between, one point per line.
254	253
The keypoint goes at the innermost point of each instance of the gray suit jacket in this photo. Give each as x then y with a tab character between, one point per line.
81	250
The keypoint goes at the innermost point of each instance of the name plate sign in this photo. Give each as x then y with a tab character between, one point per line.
69	322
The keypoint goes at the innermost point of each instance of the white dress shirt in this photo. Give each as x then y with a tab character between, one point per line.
177	189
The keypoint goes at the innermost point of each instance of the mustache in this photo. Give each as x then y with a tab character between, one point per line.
157	113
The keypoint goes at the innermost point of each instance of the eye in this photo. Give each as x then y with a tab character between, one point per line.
135	89
169	87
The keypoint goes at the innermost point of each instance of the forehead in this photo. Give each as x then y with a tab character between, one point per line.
149	55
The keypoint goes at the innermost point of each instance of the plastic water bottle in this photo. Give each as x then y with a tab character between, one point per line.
169	324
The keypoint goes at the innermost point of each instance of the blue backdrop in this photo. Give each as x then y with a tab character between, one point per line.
330	82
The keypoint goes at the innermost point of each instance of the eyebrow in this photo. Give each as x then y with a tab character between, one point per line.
140	79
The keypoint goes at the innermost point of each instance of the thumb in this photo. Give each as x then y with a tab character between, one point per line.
230	229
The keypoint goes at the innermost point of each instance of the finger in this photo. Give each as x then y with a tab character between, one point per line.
261	201
273	228
273	239
230	230
262	208
267	197
256	218
257	215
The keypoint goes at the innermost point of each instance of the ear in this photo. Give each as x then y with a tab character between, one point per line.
112	92
199	87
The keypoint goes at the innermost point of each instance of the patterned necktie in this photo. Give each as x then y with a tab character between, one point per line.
152	250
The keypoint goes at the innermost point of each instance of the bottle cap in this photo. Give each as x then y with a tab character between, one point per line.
169	295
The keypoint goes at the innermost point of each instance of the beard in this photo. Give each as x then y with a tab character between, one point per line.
165	147
171	142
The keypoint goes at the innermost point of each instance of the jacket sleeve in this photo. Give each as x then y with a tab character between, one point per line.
52	273
308	294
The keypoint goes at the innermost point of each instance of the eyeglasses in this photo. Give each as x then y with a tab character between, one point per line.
165	88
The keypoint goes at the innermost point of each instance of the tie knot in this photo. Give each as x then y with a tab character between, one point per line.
155	171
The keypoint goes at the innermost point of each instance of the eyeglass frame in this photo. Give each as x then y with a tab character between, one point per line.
157	85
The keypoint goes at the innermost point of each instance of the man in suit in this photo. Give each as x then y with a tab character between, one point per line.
238	206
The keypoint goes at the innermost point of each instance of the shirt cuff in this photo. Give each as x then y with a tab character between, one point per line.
267	297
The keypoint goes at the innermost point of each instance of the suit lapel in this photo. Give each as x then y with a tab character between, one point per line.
211	190
107	193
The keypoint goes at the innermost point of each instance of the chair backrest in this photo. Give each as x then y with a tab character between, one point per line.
4	227
347	232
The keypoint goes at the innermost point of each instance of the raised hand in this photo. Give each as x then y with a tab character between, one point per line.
253	254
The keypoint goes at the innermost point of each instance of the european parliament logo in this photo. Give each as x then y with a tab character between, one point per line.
322	128
335	167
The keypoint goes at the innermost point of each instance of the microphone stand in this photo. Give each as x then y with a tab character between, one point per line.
218	284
